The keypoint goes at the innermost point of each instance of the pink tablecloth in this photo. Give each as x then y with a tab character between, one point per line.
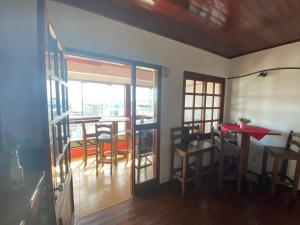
254	131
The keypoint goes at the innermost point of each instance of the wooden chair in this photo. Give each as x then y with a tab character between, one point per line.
144	150
104	135
124	153
180	145
290	152
226	150
89	141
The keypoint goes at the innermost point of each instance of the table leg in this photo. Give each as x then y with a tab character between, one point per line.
245	151
115	148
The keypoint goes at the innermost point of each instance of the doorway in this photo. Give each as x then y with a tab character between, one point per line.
102	90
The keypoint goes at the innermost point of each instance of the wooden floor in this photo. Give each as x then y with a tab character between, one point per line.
207	207
93	193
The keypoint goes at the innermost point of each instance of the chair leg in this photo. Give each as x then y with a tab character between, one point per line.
212	160
296	179
102	153
111	159
199	159
240	173
264	168
97	157
85	153
274	175
139	168
184	171
221	171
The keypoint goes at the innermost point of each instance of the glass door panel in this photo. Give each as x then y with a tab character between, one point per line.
146	95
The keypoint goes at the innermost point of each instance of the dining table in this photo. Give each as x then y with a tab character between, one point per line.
246	133
115	120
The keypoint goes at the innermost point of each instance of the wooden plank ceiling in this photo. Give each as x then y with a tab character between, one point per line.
229	28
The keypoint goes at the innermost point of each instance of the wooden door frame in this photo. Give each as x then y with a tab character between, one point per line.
140	189
133	63
42	40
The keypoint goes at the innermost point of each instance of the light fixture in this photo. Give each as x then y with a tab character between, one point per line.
263	74
149	2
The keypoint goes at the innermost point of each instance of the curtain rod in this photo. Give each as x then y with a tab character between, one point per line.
264	71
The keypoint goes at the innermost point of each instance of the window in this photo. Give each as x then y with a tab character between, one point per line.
202	101
91	99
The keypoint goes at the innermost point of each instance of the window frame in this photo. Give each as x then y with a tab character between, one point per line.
205	79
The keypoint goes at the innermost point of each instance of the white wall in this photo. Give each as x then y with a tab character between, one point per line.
86	31
273	101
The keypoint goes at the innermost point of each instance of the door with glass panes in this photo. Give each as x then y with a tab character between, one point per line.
58	117
146	82
203	101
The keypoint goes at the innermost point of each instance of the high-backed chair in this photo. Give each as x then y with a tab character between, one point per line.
180	144
226	150
89	140
290	152
104	135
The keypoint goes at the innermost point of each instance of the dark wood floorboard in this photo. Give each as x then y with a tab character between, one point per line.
206	207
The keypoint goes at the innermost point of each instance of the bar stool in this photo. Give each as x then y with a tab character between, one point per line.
227	150
89	141
290	152
104	135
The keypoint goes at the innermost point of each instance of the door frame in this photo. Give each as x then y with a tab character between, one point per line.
153	183
145	187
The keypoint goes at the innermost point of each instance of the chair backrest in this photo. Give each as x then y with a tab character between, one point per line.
104	128
195	133
179	135
293	142
217	138
85	129
145	142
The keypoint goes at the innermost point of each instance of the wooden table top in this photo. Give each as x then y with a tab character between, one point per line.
114	119
194	147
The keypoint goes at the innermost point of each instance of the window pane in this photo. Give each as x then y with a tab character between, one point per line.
189	86
209	88
94	98
103	99
117	100
217	88
188	115
217	101
198	101
207	127
216	114
208	113
197	114
76	131
199	87
209	101
215	124
54	99
189	100
145	103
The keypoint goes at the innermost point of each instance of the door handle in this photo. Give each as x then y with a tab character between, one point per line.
60	188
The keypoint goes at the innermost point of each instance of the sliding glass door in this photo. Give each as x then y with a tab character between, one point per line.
146	126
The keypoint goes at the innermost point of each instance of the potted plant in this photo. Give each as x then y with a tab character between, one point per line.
243	122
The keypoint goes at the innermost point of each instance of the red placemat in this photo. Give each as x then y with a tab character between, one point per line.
254	131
